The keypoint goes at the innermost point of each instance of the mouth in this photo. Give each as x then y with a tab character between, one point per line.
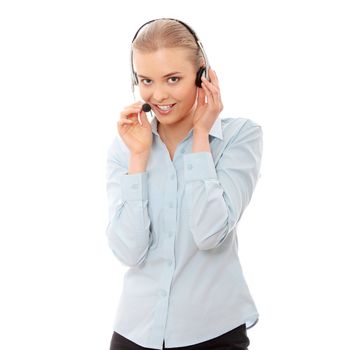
164	109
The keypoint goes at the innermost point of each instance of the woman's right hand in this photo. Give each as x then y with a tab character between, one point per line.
137	137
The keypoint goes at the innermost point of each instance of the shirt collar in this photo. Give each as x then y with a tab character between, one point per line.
216	129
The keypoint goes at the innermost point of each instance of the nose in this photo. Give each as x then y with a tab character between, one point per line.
159	94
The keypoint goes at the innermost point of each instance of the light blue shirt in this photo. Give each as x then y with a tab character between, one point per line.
174	227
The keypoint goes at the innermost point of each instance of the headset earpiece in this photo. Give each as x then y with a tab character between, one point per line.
200	73
135	79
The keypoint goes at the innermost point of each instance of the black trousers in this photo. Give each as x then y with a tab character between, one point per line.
236	339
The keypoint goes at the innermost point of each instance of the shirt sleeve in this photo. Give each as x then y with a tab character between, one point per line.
128	226
219	195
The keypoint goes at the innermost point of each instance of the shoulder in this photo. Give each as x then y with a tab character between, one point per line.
233	127
236	123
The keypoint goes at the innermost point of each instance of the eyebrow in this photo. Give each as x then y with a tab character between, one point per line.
165	76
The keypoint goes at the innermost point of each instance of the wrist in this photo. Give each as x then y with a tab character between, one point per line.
200	131
200	141
142	155
138	163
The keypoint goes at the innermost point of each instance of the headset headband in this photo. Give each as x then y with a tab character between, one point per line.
173	19
134	80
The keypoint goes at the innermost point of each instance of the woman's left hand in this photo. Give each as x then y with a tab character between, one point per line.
207	112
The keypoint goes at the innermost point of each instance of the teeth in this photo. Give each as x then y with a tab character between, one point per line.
164	108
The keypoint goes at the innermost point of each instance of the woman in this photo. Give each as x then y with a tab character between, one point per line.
177	187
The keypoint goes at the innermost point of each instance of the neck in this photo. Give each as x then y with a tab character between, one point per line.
174	133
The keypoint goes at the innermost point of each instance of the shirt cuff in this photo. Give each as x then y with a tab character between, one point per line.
134	187
199	166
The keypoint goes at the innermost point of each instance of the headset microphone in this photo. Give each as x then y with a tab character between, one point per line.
146	107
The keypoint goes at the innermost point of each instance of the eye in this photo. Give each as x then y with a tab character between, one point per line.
146	81
173	80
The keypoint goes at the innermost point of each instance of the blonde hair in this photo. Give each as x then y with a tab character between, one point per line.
168	33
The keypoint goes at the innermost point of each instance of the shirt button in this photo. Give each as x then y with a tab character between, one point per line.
170	262
134	186
183	150
189	166
170	234
162	293
172	177
170	205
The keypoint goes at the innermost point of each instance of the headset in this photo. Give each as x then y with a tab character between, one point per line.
202	70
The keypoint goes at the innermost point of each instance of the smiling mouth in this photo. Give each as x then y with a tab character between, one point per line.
165	107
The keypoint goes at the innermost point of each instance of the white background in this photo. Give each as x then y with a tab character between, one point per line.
64	76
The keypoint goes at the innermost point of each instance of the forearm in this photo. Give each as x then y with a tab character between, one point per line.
220	191
128	229
128	232
200	141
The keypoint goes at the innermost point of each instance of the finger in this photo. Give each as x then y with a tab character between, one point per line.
213	93
144	119
123	122
208	93
211	75
214	78
212	87
207	85
130	112
214	90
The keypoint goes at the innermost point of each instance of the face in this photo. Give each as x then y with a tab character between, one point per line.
167	82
